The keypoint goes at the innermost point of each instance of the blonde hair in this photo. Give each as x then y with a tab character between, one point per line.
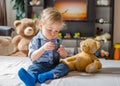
51	15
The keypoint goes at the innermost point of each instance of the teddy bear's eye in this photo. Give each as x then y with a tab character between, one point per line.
84	46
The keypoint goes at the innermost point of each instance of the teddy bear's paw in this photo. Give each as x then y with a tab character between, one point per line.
38	3
31	3
91	69
63	61
98	64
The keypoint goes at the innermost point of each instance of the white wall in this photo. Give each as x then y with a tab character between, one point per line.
11	18
117	22
11	14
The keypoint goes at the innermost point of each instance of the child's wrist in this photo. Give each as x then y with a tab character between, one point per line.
43	48
66	55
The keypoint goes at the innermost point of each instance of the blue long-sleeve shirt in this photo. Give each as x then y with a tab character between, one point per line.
38	41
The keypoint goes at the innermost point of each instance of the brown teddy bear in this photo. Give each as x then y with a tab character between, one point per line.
4	41
25	29
85	60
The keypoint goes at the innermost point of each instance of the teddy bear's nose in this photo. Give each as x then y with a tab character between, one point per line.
29	31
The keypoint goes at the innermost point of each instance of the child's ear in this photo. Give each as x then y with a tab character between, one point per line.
40	25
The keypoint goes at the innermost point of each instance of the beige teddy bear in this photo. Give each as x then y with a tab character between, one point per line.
25	29
85	60
105	37
34	2
4	41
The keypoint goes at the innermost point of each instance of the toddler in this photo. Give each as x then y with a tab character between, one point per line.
45	50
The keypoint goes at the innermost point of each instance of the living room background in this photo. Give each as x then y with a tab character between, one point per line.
11	17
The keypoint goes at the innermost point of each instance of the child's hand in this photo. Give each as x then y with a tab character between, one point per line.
61	50
48	46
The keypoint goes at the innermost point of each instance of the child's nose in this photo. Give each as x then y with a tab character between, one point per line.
54	33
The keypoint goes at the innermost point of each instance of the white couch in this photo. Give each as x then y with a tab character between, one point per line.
6	33
8	48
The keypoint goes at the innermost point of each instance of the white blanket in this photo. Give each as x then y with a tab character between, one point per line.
109	75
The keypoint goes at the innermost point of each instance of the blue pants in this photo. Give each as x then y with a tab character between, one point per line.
59	70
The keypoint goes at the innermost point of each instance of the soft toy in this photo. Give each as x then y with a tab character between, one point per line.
4	41
104	53
99	31
103	37
85	60
34	2
25	29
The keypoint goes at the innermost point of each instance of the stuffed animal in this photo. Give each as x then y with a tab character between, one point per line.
25	29
34	2
103	37
85	60
104	53
4	41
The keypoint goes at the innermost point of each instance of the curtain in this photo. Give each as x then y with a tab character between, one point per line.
3	16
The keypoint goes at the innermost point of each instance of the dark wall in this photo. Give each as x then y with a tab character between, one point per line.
86	28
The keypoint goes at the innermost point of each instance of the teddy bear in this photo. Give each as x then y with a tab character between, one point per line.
106	36
85	60
26	30
4	41
34	2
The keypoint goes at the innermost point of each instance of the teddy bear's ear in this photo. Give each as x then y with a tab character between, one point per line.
16	23
35	21
81	43
84	47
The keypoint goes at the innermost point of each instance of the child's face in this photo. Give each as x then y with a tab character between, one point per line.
51	31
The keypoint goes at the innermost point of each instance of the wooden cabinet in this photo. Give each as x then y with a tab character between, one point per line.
33	11
100	17
105	24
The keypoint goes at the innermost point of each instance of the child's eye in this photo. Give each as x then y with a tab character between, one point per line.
49	30
56	31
